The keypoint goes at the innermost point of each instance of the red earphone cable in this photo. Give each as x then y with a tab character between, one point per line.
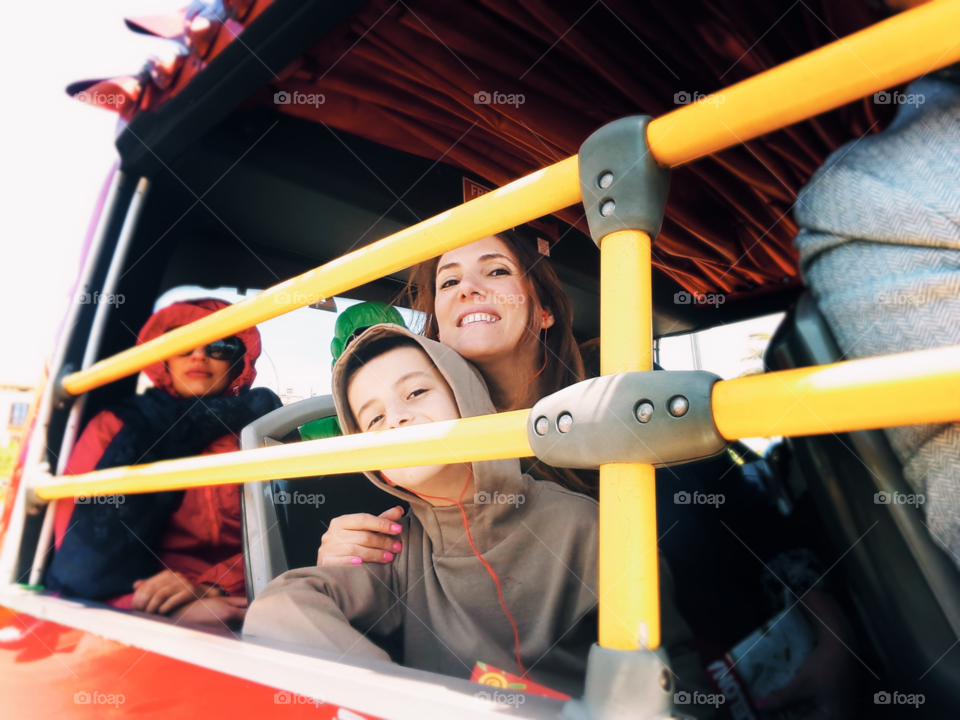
493	574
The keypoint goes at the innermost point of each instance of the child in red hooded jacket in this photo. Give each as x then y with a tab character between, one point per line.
176	553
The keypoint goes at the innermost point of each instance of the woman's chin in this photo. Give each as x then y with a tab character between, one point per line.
481	343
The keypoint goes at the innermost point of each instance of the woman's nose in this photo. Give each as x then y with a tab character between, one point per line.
471	287
199	353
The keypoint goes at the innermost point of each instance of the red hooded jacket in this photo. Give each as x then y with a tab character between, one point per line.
203	539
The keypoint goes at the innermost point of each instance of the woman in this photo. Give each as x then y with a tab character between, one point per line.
500	305
177	554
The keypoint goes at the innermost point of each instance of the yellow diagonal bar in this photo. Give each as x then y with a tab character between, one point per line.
533	196
906	46
628	571
491	437
903	389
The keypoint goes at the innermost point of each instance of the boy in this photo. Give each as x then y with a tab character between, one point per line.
497	568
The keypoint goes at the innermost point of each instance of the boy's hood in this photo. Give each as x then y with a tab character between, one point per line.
473	399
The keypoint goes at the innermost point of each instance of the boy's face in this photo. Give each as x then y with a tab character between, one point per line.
397	389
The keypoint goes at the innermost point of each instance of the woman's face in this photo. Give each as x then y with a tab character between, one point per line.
483	301
197	375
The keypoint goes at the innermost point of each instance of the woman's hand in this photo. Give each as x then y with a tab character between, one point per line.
166	591
828	677
215	611
360	538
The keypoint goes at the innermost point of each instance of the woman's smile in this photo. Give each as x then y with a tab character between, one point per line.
471	317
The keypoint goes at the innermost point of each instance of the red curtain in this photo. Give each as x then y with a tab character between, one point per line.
405	74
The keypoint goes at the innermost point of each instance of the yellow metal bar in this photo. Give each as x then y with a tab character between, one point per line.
906	46
533	196
491	437
903	389
629	573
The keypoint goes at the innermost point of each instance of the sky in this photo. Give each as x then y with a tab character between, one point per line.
55	153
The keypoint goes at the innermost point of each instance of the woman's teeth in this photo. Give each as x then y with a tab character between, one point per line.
478	317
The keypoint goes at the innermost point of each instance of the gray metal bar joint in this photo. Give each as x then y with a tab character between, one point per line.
657	417
61	396
622	186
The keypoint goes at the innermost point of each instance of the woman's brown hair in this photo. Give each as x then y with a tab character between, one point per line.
563	366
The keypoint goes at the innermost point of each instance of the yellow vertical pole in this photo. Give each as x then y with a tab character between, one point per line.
629	573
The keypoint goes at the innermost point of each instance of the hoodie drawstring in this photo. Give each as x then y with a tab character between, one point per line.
493	574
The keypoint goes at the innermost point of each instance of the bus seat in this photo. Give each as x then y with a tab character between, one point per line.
279	536
904	585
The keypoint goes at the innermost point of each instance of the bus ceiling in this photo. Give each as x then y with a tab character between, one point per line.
409	83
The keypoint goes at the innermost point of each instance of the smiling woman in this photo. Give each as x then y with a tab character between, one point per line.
499	303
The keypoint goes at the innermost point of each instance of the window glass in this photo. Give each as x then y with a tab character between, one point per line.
296	360
18	414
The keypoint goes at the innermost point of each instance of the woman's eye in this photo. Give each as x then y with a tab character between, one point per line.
500	271
374	421
449	282
417	393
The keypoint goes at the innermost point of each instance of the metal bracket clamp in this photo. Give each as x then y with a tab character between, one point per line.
622	186
61	396
656	417
625	685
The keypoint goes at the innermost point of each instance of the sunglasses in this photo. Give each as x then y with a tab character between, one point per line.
230	348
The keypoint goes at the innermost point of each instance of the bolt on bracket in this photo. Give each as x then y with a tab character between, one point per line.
656	417
622	186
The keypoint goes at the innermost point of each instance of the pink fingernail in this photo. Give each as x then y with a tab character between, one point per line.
396	528
388	556
398	546
356	561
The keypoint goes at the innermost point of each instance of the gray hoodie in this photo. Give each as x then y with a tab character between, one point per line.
543	547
